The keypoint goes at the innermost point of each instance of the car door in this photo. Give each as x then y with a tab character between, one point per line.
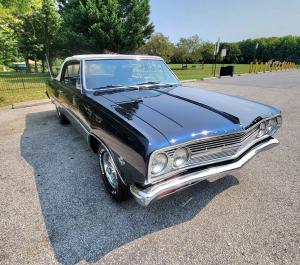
72	96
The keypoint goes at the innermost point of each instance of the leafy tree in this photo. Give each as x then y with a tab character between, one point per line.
159	45
190	49
10	13
9	9
248	52
233	52
27	37
9	48
273	48
99	25
180	56
37	32
207	52
50	23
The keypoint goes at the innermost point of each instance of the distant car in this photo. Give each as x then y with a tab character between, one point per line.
154	136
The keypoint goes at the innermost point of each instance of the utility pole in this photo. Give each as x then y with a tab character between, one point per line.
256	46
217	47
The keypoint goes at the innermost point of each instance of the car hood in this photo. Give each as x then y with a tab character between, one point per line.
182	114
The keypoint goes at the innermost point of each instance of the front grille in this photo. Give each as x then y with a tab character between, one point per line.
217	149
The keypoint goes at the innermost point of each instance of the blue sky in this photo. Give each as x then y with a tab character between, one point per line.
232	20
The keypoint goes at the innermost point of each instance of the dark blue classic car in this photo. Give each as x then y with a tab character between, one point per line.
154	136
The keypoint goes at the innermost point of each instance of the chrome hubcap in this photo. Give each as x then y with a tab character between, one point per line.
109	170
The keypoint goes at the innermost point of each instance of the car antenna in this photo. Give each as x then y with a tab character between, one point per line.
48	66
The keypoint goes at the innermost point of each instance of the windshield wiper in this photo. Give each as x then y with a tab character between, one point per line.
109	86
110	89
148	83
155	84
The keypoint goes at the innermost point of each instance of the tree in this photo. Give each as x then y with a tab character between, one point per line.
247	48
10	13
9	48
233	52
159	45
189	49
37	32
50	28
207	52
99	25
27	37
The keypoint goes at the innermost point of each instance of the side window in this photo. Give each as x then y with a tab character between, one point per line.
71	75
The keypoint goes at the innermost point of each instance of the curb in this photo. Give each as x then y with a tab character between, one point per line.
32	103
225	76
191	80
208	78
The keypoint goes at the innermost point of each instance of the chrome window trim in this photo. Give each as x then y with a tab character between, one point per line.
163	176
62	73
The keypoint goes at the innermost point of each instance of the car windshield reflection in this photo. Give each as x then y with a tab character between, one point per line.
103	74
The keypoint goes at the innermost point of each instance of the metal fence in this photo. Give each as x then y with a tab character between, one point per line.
11	82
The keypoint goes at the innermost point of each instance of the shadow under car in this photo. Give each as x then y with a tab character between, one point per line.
82	221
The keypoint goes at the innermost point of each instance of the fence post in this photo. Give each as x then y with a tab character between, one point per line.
23	82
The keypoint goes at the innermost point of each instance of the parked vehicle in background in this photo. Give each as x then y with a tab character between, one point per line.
152	135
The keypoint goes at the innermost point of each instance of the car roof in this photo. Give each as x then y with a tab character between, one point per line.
111	56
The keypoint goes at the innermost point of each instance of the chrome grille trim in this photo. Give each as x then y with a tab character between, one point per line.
218	149
211	150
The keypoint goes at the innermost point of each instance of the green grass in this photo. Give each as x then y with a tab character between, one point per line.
18	87
199	71
7	99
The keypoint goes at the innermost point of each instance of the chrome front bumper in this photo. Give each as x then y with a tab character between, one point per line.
146	195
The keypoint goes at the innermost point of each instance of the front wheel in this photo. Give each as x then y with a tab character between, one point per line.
111	178
61	117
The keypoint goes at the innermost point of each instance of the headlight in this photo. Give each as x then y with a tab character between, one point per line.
271	126
279	121
159	163
181	155
262	130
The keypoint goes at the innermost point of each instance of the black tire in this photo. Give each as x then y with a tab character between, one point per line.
114	185
61	117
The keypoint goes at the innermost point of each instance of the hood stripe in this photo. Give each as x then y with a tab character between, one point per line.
224	114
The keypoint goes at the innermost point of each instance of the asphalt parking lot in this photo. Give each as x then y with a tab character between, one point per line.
54	209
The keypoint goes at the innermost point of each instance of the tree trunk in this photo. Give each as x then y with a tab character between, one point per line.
43	66
28	70
47	43
35	66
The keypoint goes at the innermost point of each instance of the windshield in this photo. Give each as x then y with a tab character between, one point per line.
130	72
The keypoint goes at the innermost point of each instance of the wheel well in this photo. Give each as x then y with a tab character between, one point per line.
94	143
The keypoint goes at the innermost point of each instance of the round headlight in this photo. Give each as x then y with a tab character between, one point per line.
279	121
180	157
159	163
271	125
262	129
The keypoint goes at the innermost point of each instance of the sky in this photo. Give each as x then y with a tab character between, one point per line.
231	20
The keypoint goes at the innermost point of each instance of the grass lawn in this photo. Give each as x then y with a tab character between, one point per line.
20	96
197	71
17	87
